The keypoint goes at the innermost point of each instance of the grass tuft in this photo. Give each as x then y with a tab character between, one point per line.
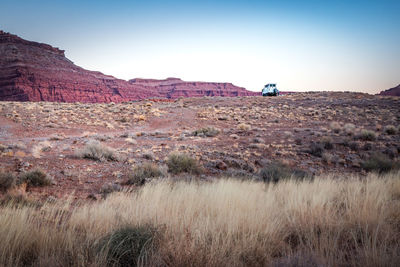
35	178
367	135
126	246
379	163
142	172
206	132
179	162
390	130
275	172
7	181
97	151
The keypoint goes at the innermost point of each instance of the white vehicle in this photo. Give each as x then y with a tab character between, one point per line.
270	90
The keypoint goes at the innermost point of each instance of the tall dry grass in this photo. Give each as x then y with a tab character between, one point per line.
329	221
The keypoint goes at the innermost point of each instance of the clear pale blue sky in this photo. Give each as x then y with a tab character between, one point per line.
301	45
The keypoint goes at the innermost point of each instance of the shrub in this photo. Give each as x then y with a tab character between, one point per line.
97	151
109	188
349	128
353	146
367	135
327	142
390	130
275	172
143	172
35	178
208	132
329	158
244	127
379	163
178	163
316	149
127	245
335	126
7	181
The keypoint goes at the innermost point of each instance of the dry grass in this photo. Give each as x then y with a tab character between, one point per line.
7	181
390	130
367	135
142	172
97	151
206	132
180	162
244	127
330	221
35	177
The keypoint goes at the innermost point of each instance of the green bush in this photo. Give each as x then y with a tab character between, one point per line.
208	132
275	172
349	128
178	163
390	130
35	178
379	163
316	149
97	151
7	181
367	135
143	172
127	245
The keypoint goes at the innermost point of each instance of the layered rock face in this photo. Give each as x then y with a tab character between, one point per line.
31	71
395	91
175	87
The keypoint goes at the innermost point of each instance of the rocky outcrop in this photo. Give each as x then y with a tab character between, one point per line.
395	91
175	87
31	71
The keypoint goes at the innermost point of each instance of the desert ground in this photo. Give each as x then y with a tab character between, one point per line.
306	179
315	132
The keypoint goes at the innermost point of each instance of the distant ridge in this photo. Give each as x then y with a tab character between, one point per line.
32	71
395	91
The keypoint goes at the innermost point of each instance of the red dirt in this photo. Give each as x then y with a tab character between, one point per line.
279	129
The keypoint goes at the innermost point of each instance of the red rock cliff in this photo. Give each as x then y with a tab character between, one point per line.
31	71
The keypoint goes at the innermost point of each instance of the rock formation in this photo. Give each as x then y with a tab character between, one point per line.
395	91
31	71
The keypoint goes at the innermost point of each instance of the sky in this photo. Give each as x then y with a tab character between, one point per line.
342	45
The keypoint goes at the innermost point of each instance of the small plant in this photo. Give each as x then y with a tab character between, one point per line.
96	151
379	163
353	146
367	135
35	178
109	188
316	149
127	246
327	142
349	128
7	181
275	172
390	130
178	163
329	158
335	126
208	132
244	127
143	172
